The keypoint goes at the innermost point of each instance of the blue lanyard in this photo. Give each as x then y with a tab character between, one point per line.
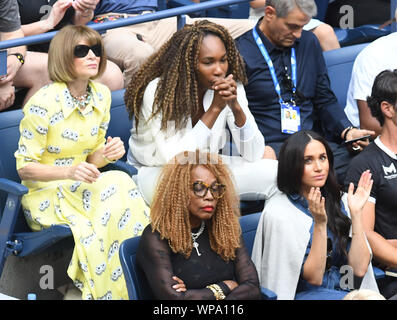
269	62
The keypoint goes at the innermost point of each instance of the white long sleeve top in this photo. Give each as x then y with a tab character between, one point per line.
153	147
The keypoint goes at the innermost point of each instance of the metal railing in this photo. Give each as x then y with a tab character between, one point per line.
179	12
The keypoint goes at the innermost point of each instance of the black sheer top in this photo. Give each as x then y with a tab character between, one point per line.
160	264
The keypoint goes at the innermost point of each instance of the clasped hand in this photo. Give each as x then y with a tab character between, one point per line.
225	92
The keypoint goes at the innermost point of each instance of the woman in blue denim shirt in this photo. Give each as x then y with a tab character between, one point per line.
305	234
317	194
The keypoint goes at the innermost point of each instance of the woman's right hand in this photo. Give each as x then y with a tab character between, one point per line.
317	205
84	171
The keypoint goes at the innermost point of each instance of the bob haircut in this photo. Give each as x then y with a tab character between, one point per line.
61	52
291	161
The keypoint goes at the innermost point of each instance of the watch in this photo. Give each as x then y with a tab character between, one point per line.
347	130
19	57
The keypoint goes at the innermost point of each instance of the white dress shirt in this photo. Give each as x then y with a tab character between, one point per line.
153	147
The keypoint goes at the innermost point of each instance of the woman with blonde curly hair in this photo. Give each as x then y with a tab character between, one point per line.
193	247
184	97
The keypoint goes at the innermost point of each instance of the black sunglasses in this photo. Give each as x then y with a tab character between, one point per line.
81	50
200	189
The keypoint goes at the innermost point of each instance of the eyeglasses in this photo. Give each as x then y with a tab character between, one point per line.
200	189
289	86
328	263
81	50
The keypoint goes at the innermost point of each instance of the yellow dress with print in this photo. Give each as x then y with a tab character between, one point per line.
102	214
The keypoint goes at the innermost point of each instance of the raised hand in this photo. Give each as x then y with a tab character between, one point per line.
85	5
317	205
356	200
58	12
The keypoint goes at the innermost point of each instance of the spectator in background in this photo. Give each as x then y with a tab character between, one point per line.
379	216
374	58
193	248
130	46
296	80
183	97
10	28
40	16
299	253
324	32
61	148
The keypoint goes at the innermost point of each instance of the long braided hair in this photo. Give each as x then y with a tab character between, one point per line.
169	211
176	64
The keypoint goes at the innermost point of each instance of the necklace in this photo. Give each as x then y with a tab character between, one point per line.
83	100
196	235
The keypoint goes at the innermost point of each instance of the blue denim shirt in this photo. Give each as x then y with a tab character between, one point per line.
332	276
312	82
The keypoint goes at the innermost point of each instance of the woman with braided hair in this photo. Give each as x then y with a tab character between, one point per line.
183	98
193	247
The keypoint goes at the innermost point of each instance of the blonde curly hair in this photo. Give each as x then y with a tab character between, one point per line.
170	214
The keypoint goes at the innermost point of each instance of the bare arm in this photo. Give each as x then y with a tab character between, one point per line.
367	121
359	254
84	171
384	250
7	90
112	151
257	3
55	16
314	267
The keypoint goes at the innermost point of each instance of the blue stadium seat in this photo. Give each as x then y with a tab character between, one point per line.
322	6
339	64
362	34
15	235
137	285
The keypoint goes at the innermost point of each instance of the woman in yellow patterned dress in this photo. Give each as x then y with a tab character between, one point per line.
62	145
